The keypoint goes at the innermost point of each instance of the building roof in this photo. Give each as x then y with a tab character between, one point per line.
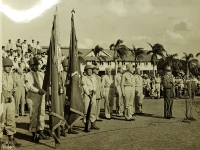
85	52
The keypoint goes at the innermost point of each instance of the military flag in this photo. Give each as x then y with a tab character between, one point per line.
51	81
74	75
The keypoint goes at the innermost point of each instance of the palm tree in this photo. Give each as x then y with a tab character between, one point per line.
96	51
156	50
120	52
198	54
190	62
170	58
138	55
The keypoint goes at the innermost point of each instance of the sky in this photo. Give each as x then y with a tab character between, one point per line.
173	23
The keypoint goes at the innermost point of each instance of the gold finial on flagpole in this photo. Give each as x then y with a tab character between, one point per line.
73	11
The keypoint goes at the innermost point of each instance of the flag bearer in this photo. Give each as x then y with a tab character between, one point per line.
35	97
7	119
89	88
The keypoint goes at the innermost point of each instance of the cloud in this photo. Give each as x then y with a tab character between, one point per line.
27	15
173	38
143	5
182	26
117	8
141	38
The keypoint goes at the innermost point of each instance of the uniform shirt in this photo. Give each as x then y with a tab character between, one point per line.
118	79
158	80
33	45
18	44
88	84
138	80
127	80
38	47
15	64
24	47
30	84
7	81
9	46
108	81
98	86
19	80
167	81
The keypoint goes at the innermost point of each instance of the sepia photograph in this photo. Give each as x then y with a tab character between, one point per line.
100	74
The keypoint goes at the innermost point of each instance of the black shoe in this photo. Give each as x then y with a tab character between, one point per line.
63	133
94	127
108	118
43	137
130	119
71	131
15	143
167	117
99	120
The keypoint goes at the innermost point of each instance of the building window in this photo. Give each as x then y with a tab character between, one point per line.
101	62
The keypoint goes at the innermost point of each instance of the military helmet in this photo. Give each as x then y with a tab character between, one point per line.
167	68
88	67
33	61
7	62
65	63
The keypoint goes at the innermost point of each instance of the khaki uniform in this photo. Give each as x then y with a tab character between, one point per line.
35	81
168	95
138	93
89	84
98	95
119	98
7	120
19	94
108	93
127	86
157	85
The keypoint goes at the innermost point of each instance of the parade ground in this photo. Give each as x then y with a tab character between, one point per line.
149	131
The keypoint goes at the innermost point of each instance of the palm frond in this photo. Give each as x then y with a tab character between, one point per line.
112	46
102	58
118	42
149	52
198	54
82	60
150	45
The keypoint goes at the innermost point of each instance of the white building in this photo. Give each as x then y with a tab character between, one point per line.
145	64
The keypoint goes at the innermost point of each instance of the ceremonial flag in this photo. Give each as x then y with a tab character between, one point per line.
74	75
51	81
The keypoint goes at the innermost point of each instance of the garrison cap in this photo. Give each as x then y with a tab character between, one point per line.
65	63
33	61
7	62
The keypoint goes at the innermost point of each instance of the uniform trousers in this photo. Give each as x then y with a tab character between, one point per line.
119	102
129	97
34	100
138	99
109	100
157	86
86	101
98	106
19	96
168	103
7	119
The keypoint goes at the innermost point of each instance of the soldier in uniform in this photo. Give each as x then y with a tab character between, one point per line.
35	98
157	85
108	93
98	91
138	92
127	86
89	89
119	97
7	120
19	94
168	84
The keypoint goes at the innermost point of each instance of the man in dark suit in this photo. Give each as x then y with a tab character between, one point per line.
168	85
